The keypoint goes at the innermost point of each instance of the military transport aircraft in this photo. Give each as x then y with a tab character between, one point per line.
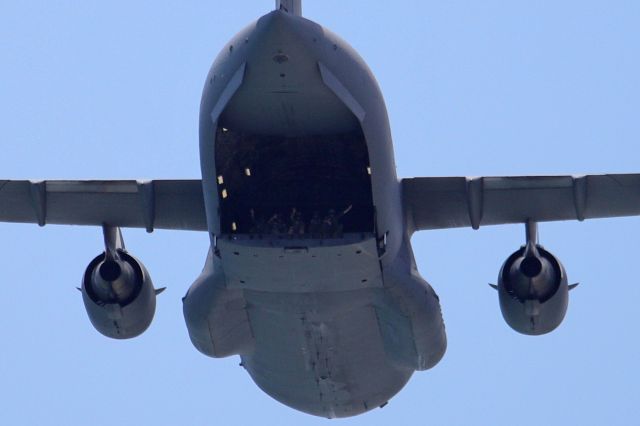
310	277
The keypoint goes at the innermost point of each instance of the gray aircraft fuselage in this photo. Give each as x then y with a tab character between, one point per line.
333	324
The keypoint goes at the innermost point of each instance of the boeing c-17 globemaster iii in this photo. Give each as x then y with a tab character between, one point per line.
310	277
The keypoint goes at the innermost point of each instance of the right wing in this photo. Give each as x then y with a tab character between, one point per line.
451	202
156	204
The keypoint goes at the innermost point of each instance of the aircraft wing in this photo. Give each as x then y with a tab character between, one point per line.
451	202
156	204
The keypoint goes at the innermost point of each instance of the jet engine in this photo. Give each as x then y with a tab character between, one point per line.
533	288
117	291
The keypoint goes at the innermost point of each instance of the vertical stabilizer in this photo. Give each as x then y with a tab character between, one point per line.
293	7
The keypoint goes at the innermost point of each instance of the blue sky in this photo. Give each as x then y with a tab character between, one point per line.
112	89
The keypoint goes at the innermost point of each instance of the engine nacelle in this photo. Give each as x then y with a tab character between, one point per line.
118	295
533	290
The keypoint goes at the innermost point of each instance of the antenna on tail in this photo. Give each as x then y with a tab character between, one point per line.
293	7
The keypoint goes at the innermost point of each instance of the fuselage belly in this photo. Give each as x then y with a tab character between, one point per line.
331	321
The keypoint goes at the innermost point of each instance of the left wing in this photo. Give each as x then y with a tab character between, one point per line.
451	202
156	204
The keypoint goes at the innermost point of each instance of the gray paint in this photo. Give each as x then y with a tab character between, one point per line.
157	204
328	352
307	44
533	305
330	327
450	202
294	7
301	265
122	305
341	92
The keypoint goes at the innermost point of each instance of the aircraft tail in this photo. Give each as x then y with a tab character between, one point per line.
293	7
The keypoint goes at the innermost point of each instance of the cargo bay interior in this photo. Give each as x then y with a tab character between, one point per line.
294	186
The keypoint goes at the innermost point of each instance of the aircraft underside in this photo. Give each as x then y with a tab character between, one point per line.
332	345
310	278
